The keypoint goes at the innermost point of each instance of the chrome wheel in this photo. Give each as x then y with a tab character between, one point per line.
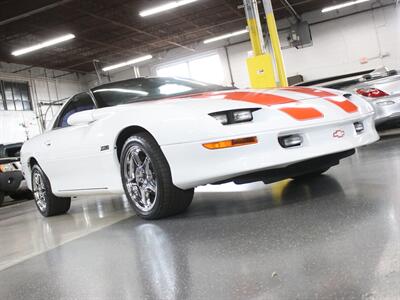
140	178
39	191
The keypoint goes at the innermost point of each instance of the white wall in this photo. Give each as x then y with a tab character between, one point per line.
340	44
41	89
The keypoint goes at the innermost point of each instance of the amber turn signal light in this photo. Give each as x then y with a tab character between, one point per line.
231	143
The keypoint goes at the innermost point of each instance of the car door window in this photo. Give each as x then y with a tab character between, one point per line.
79	103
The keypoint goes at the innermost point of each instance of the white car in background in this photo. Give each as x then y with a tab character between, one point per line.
156	139
380	87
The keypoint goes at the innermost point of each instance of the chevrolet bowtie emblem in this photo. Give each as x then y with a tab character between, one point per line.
338	134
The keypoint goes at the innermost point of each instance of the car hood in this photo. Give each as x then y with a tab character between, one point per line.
238	98
280	108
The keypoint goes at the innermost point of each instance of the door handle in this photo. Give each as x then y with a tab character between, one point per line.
48	143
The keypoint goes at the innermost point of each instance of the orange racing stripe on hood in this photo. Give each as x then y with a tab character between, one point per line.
346	105
253	97
259	98
309	91
298	113
302	113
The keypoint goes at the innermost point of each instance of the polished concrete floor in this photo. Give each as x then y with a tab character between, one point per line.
334	237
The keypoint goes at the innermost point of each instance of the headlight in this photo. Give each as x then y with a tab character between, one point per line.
223	118
242	116
234	116
7	168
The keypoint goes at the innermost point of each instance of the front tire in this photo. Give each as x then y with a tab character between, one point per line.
1	198
46	202
147	181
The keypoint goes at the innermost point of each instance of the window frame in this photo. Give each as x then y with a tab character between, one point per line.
4	99
55	125
188	60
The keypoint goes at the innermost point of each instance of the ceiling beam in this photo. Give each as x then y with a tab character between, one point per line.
291	10
34	12
159	52
43	67
132	28
118	50
121	50
234	10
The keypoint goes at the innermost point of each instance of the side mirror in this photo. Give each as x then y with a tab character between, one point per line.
81	118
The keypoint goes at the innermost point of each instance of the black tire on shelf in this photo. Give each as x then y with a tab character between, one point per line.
311	174
168	199
53	205
1	198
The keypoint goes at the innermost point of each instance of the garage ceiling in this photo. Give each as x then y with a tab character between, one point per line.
112	31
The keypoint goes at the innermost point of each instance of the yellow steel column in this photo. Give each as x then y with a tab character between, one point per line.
276	45
254	27
260	67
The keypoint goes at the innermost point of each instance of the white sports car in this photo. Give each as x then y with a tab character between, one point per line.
156	139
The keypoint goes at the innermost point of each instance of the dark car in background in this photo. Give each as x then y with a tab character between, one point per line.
12	182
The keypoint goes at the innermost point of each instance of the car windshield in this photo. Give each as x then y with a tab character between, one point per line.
145	89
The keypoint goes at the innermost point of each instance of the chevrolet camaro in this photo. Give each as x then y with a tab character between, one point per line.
157	138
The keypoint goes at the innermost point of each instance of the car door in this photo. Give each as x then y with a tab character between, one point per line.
72	150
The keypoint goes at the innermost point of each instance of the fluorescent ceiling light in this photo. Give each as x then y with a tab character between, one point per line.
225	36
45	44
164	7
339	6
128	63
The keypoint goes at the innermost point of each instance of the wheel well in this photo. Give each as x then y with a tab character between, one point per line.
32	162
125	134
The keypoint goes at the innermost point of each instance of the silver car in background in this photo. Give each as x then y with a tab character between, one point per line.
380	87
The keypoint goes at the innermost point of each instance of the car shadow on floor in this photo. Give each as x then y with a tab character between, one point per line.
287	192
9	201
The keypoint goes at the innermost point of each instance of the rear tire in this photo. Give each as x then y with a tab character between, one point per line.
311	174
147	181
47	203
1	198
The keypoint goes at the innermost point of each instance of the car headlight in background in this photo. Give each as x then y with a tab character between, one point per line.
384	103
7	168
234	116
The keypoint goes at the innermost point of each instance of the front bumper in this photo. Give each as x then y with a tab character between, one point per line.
193	165
11	181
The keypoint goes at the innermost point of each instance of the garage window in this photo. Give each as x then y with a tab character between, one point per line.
207	69
14	96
